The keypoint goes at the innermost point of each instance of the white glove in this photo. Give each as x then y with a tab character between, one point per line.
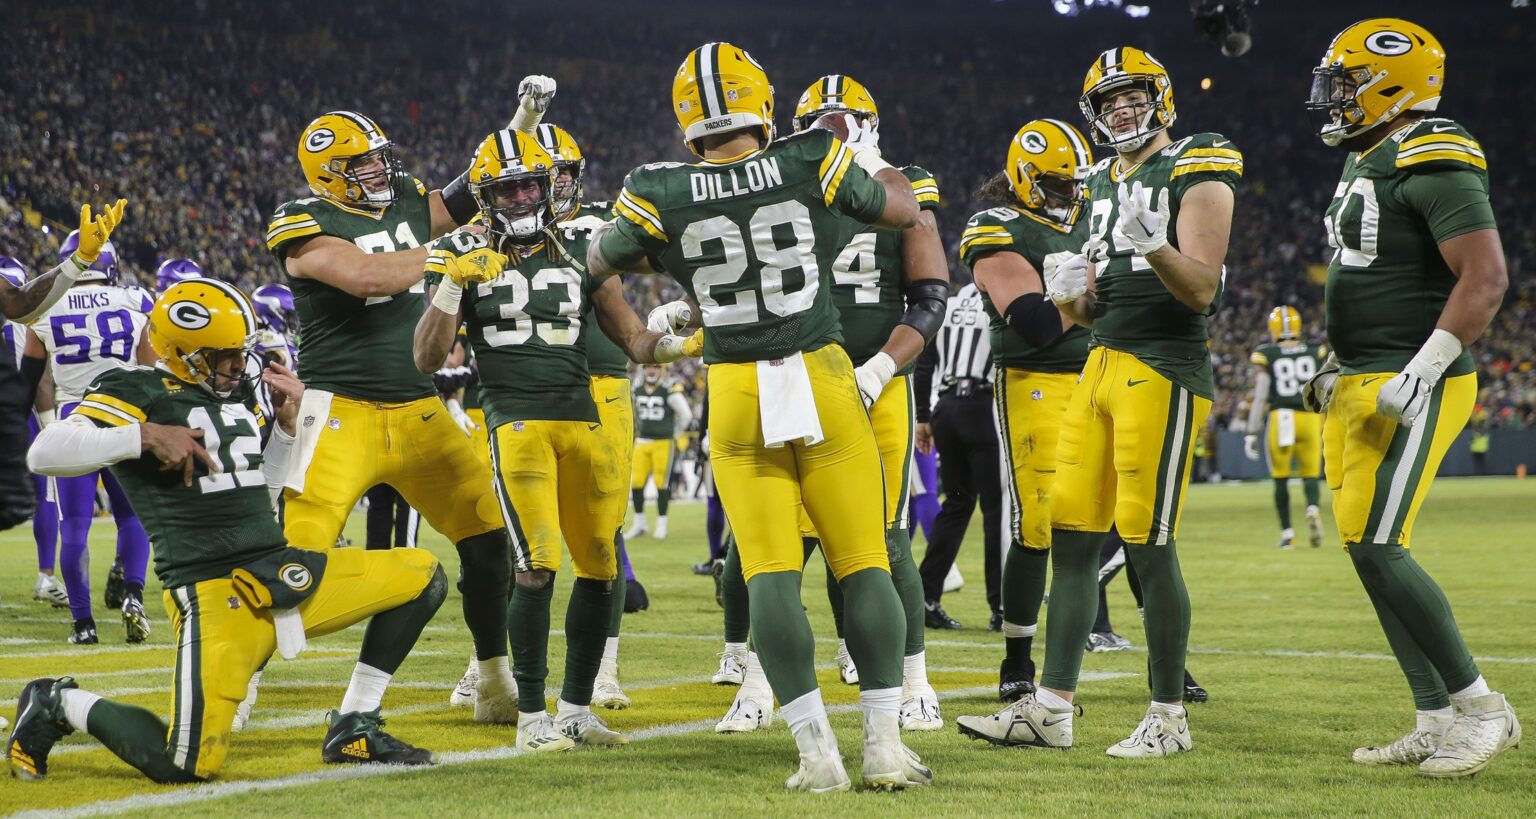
669	349
671	317
1404	397
872	377
1317	393
864	141
535	92
1066	279
456	411
1251	446
1146	228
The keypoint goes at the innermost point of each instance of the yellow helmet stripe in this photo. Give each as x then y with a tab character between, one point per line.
706	73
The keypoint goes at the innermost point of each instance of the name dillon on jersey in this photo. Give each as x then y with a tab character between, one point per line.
759	174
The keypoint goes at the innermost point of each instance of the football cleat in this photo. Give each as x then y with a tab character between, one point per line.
1193	691
135	620
846	670
1161	733
537	734
1287	540
717	571
639	528
606	691
39	724
920	711
936	617
888	764
117	588
821	763
1314	526
995	624
1410	749
589	731
358	736
635	598
496	698
1014	680
84	633
733	668
463	694
661	528
752	709
704	569
49	590
1102	641
1025	722
1484	727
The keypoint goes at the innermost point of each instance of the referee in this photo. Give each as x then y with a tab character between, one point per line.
963	428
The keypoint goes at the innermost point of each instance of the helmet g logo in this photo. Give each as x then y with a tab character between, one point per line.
189	315
295	576
319	140
1388	43
1033	142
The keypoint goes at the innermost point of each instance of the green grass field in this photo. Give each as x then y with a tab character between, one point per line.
1286	643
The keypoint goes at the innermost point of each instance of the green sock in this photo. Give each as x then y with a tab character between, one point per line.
785	644
876	628
1310	488
486	561
834	591
1074	605
1429	692
1391	573
733	591
392	634
1024	576
1167	621
528	628
909	585
138	737
638	496
587	616
663	496
1283	501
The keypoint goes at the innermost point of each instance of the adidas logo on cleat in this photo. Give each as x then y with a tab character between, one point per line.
357	748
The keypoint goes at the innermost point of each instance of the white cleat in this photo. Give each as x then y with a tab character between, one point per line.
846	670
537	734
888	764
920	711
463	695
953	582
606	691
1023	722
496	698
49	590
639	529
733	668
243	710
1161	733
1315	526
1484	727
661	529
589	731
1409	749
752	709
821	763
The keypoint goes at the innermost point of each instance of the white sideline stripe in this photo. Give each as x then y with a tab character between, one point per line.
218	790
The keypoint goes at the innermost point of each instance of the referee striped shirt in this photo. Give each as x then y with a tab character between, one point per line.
963	343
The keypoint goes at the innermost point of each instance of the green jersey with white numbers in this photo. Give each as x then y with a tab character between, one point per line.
353	346
752	240
1394	205
868	277
1290	366
654	417
224	520
527	327
1015	230
603	356
1134	312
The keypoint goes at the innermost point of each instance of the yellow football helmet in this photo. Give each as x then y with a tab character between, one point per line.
1373	71
562	148
1123	69
1047	163
835	92
196	318
1284	323
719	88
498	175
348	160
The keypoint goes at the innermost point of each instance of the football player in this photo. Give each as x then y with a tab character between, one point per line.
1160	213
184	442
751	233
1417	274
662	417
1295	447
279	323
96	327
175	271
522	290
24	303
1039	354
353	254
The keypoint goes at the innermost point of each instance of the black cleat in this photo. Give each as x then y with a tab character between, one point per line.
717	571
358	736
84	633
635	598
996	623
1014	680
1193	692
135	620
936	617
117	588
703	569
39	724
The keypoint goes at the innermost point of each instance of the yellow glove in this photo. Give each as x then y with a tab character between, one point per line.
482	265
694	346
95	231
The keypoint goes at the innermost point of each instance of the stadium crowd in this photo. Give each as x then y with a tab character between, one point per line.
204	166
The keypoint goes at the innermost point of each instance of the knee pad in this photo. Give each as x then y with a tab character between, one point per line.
537	579
437	588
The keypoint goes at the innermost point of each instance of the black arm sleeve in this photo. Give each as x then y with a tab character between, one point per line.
927	300
459	201
1035	319
31	376
922	381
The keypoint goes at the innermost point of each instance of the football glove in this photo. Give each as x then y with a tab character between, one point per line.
1317	393
670	348
671	317
535	92
694	346
94	231
1404	398
456	411
482	265
873	375
1145	227
1251	446
1066	279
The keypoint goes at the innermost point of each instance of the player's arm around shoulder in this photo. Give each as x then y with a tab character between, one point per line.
304	251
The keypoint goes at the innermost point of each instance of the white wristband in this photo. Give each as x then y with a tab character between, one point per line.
525	120
73	267
447	297
1435	356
871	162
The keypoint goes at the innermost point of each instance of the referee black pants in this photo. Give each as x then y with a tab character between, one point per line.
965	435
391	521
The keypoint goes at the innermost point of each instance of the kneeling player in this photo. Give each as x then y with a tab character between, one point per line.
234	589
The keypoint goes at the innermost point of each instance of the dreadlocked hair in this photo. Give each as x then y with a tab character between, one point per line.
997	190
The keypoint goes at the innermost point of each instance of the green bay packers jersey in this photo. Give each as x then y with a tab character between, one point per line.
654	417
752	240
527	327
353	346
1290	367
1134	312
603	356
1015	230
1394	205
868	279
224	520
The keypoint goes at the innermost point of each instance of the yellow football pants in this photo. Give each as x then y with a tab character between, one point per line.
221	640
1379	471
617	416
1302	459
892	418
557	478
838	479
1124	451
480	439
653	461
414	447
1030	407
